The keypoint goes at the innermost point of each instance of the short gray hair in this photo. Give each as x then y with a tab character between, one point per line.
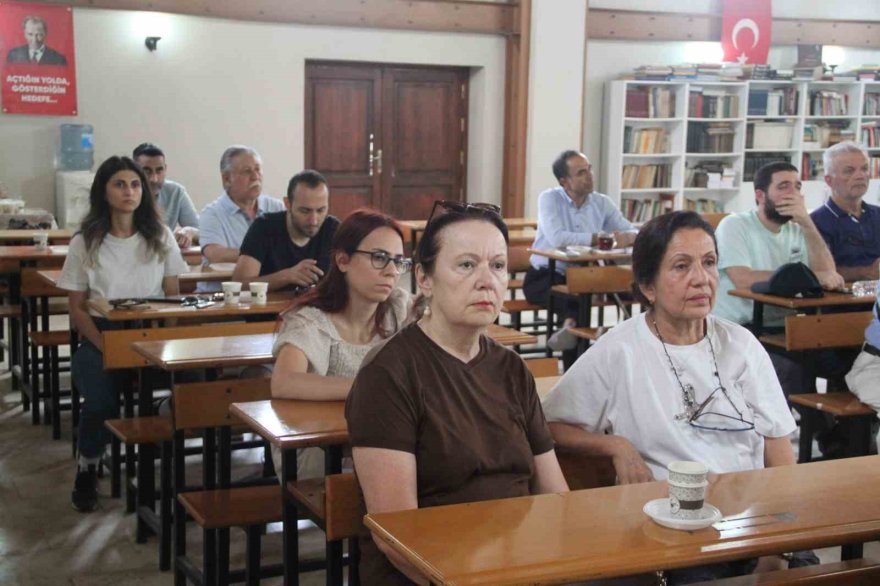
832	152
35	20
234	151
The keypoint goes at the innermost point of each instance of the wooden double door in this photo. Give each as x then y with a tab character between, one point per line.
387	137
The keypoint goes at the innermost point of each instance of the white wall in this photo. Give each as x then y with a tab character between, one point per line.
556	83
215	82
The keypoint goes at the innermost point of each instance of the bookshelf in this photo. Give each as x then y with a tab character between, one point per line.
695	145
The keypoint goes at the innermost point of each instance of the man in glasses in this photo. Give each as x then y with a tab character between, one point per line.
571	214
849	225
291	249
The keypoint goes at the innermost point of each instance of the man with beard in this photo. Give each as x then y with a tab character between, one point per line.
291	249
850	226
752	245
224	222
175	205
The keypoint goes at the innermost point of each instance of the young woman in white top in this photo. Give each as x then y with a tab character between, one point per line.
122	250
325	335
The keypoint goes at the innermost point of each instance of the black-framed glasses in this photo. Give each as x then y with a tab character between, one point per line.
702	418
380	260
464	208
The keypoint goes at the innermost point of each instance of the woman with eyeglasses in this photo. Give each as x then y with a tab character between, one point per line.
122	250
324	336
441	414
674	383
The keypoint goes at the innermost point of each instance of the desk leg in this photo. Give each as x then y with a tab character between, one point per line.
291	532
15	337
757	318
551	266
333	465
851	551
146	473
412	252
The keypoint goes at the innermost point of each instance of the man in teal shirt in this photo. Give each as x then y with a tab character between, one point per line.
753	244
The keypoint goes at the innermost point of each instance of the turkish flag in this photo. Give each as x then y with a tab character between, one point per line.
745	30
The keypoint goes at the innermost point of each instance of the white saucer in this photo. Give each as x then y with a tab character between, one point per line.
658	510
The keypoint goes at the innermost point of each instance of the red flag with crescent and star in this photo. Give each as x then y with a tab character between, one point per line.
745	31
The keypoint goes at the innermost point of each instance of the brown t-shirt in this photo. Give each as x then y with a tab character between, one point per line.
474	428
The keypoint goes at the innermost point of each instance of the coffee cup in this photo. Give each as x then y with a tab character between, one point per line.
605	241
245	297
231	291
259	290
41	240
685	472
686	500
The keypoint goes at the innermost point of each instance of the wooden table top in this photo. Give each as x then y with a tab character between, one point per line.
584	257
831	299
603	533
508	336
512	223
545	384
287	423
211	352
28	235
151	311
521	237
30	252
195	273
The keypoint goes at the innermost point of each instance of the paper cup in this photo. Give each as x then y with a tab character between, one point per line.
687	473
231	291
41	240
259	290
686	500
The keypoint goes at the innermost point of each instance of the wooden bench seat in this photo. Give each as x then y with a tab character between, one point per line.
51	338
141	430
837	404
855	419
233	507
591	334
775	340
519	305
859	572
332	502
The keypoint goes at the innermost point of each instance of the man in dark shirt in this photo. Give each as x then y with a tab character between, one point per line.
290	249
849	225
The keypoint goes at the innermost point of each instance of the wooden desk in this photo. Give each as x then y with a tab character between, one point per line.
521	237
830	299
215	352
508	336
192	255
62	236
545	384
289	425
158	311
603	533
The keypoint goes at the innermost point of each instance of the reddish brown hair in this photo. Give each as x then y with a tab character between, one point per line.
331	293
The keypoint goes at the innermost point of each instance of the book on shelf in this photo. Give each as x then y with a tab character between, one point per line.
773	102
642	210
710	137
650	102
812	167
769	135
808	73
712	103
874	170
645	176
828	103
710	174
755	161
649	140
872	104
825	133
702	206
871	134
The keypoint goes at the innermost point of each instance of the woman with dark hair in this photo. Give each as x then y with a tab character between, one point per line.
121	250
440	413
326	333
674	383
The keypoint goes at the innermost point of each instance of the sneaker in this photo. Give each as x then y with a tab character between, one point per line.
562	339
84	497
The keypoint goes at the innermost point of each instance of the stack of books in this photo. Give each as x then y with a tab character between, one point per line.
868	72
642	210
767	135
871	134
828	103
710	137
653	72
872	104
702	206
650	140
809	72
650	102
710	175
773	102
823	134
756	161
712	103
645	176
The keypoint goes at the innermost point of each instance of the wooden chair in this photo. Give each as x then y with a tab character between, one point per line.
333	503
858	572
587	282
541	367
714	219
218	505
815	332
518	263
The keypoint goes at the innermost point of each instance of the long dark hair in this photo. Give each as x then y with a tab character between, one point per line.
331	293
96	225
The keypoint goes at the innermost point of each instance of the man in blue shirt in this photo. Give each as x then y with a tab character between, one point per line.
850	226
864	377
571	214
175	205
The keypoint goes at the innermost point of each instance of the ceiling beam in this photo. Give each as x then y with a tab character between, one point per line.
634	25
426	15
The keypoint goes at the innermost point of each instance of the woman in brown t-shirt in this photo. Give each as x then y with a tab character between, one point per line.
441	414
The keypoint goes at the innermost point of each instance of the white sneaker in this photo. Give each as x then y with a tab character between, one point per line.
562	339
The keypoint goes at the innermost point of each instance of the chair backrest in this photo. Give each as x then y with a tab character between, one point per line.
343	506
518	259
541	367
33	285
609	279
586	471
117	343
827	330
205	405
714	219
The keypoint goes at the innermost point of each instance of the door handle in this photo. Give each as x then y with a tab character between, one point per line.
378	160
374	158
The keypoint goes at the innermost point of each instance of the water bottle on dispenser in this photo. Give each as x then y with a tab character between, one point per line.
77	151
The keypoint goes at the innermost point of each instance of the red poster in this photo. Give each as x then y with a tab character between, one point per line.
745	31
37	59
